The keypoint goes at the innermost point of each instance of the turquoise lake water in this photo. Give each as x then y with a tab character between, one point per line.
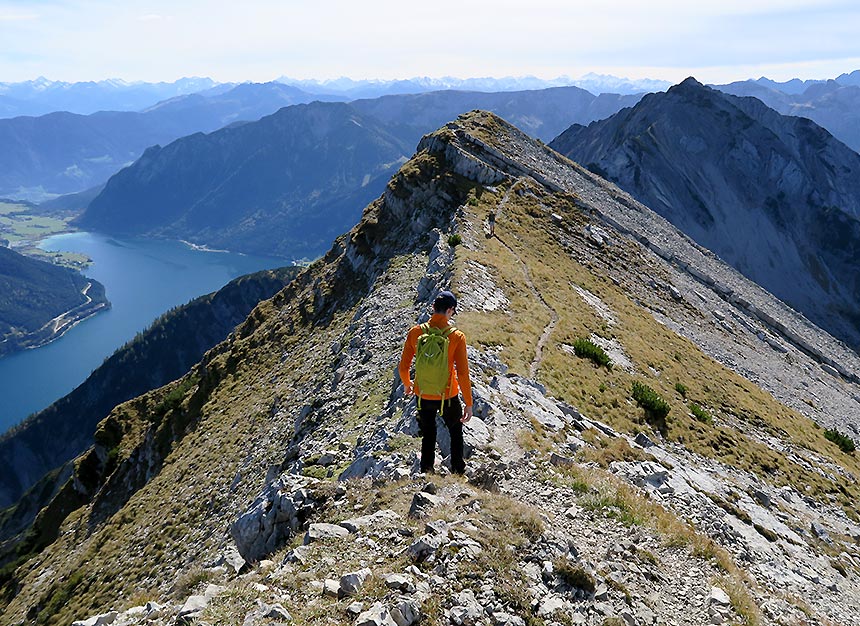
142	279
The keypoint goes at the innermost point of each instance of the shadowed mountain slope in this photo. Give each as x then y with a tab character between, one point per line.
285	185
39	300
297	419
775	196
830	104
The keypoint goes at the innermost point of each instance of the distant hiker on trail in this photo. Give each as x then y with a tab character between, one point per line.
441	372
491	221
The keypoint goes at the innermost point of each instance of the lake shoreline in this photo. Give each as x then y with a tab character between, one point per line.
59	325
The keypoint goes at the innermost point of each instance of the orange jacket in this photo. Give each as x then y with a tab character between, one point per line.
458	364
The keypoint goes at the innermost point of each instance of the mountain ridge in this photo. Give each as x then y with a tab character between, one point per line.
304	392
769	193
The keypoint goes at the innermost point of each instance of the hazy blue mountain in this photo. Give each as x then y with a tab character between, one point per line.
852	78
69	203
832	104
285	185
543	113
776	196
42	96
792	87
243	102
354	89
34	293
63	153
165	351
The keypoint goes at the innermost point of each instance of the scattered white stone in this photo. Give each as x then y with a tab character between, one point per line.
192	606
352	582
423	503
321	532
377	615
331	587
277	611
400	582
406	611
379	518
98	620
550	604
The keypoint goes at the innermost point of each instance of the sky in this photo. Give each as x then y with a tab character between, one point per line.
260	40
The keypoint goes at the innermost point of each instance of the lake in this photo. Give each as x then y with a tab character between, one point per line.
143	278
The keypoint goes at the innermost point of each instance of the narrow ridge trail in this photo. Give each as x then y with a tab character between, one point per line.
547	331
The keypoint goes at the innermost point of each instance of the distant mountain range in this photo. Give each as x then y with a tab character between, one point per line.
39	300
776	196
542	114
64	152
354	89
289	183
833	104
42	96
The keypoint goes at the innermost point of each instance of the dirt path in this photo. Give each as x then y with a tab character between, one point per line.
547	331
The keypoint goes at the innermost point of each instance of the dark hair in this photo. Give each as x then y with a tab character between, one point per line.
444	301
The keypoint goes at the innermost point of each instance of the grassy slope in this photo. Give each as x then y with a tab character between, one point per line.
742	410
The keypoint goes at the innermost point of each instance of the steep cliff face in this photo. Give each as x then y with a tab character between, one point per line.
777	197
298	419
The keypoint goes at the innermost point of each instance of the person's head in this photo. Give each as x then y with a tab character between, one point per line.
445	302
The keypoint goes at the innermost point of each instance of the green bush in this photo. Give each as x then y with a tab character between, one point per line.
682	389
845	443
587	349
656	408
700	414
454	240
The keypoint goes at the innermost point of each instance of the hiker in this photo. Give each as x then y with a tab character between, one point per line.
452	376
491	220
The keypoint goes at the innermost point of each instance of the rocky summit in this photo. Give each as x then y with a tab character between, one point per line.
777	197
656	439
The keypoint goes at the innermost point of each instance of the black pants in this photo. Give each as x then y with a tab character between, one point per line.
427	420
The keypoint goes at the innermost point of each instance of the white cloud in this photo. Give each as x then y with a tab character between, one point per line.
18	17
263	39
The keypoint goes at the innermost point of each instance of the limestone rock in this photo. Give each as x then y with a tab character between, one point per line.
331	587
466	610
425	546
422	503
400	582
193	605
406	611
378	518
352	582
98	620
376	615
277	611
274	516
323	531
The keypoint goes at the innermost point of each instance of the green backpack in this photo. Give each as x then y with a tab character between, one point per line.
431	360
